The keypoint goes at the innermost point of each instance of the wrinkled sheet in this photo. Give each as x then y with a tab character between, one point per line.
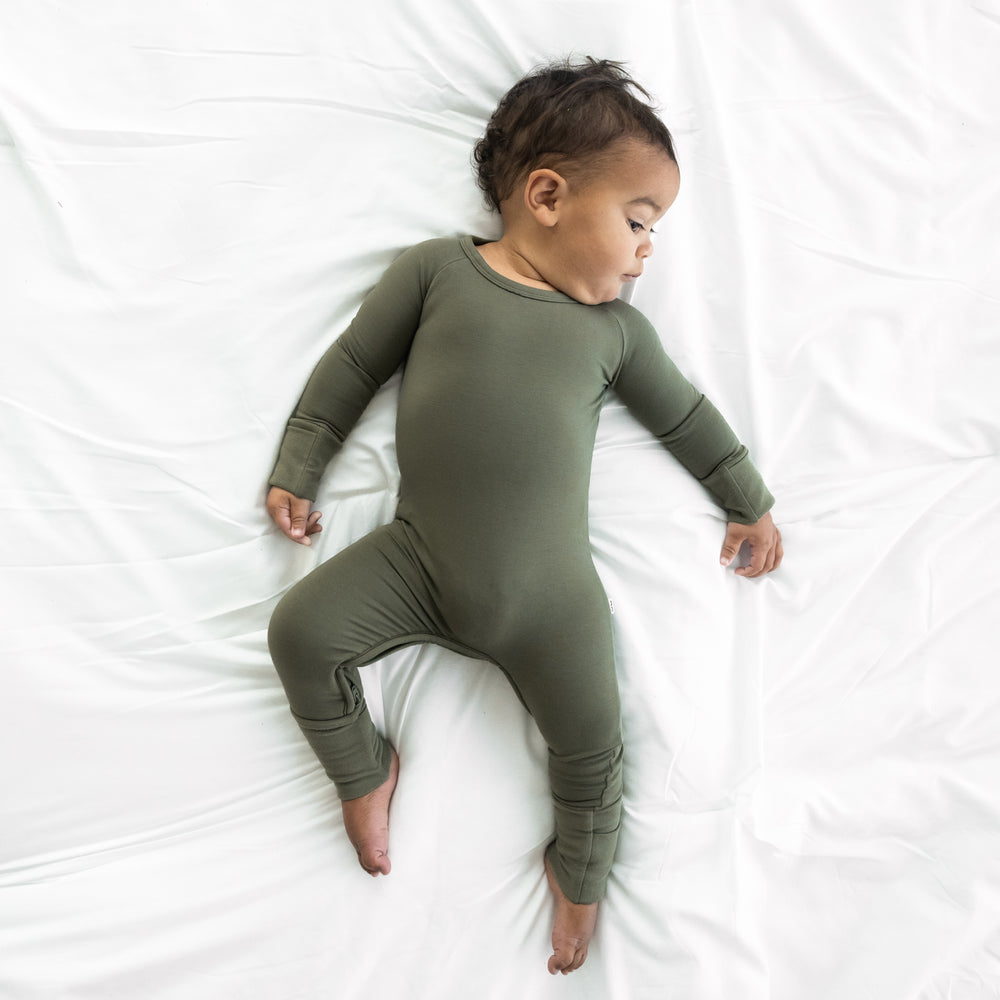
194	199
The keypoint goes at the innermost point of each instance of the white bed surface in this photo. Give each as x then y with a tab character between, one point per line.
193	202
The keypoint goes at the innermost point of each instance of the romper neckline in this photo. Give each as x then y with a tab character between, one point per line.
469	244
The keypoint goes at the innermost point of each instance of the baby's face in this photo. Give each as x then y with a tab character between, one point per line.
602	237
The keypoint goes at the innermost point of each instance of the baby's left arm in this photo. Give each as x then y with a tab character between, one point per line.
765	546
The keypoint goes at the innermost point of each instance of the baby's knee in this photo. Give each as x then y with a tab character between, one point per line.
299	646
284	634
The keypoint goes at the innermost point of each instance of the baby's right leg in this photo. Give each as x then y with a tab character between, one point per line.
349	611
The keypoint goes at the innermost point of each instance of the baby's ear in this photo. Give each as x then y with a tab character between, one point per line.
543	192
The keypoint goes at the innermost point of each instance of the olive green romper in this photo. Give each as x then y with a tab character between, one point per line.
489	551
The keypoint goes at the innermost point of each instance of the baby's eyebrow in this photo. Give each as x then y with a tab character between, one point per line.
645	200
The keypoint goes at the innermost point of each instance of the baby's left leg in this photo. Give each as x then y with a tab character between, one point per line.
566	676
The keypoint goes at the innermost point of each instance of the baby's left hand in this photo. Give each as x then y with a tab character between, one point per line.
765	546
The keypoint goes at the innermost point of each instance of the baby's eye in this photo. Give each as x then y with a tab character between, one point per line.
636	227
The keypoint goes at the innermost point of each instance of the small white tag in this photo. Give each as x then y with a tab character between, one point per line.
611	604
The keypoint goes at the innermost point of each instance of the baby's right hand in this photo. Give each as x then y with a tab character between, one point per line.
292	515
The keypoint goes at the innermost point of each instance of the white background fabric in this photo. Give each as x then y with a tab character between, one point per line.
194	199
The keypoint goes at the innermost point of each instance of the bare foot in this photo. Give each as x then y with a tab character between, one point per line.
366	820
572	930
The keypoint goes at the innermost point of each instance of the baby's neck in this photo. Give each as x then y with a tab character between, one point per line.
504	258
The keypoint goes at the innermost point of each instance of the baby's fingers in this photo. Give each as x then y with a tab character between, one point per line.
764	557
779	552
758	562
299	520
735	535
291	514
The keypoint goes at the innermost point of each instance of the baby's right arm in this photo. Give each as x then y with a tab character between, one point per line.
293	515
342	385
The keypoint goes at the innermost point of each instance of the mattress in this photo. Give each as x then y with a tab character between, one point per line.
195	198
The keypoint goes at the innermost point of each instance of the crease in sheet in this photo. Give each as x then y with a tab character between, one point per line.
411	118
234	812
882	270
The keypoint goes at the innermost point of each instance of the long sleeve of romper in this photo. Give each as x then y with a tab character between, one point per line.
688	424
348	375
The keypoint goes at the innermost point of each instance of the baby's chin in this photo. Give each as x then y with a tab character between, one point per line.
594	297
607	297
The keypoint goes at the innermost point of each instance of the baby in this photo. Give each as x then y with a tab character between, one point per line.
509	349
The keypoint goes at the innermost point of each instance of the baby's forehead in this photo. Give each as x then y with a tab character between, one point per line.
632	153
641	173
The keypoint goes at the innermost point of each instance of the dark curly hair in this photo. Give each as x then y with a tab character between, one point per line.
563	116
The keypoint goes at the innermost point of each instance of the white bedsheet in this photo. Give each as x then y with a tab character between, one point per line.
194	198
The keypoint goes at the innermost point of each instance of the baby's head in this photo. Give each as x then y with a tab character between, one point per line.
581	170
569	118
